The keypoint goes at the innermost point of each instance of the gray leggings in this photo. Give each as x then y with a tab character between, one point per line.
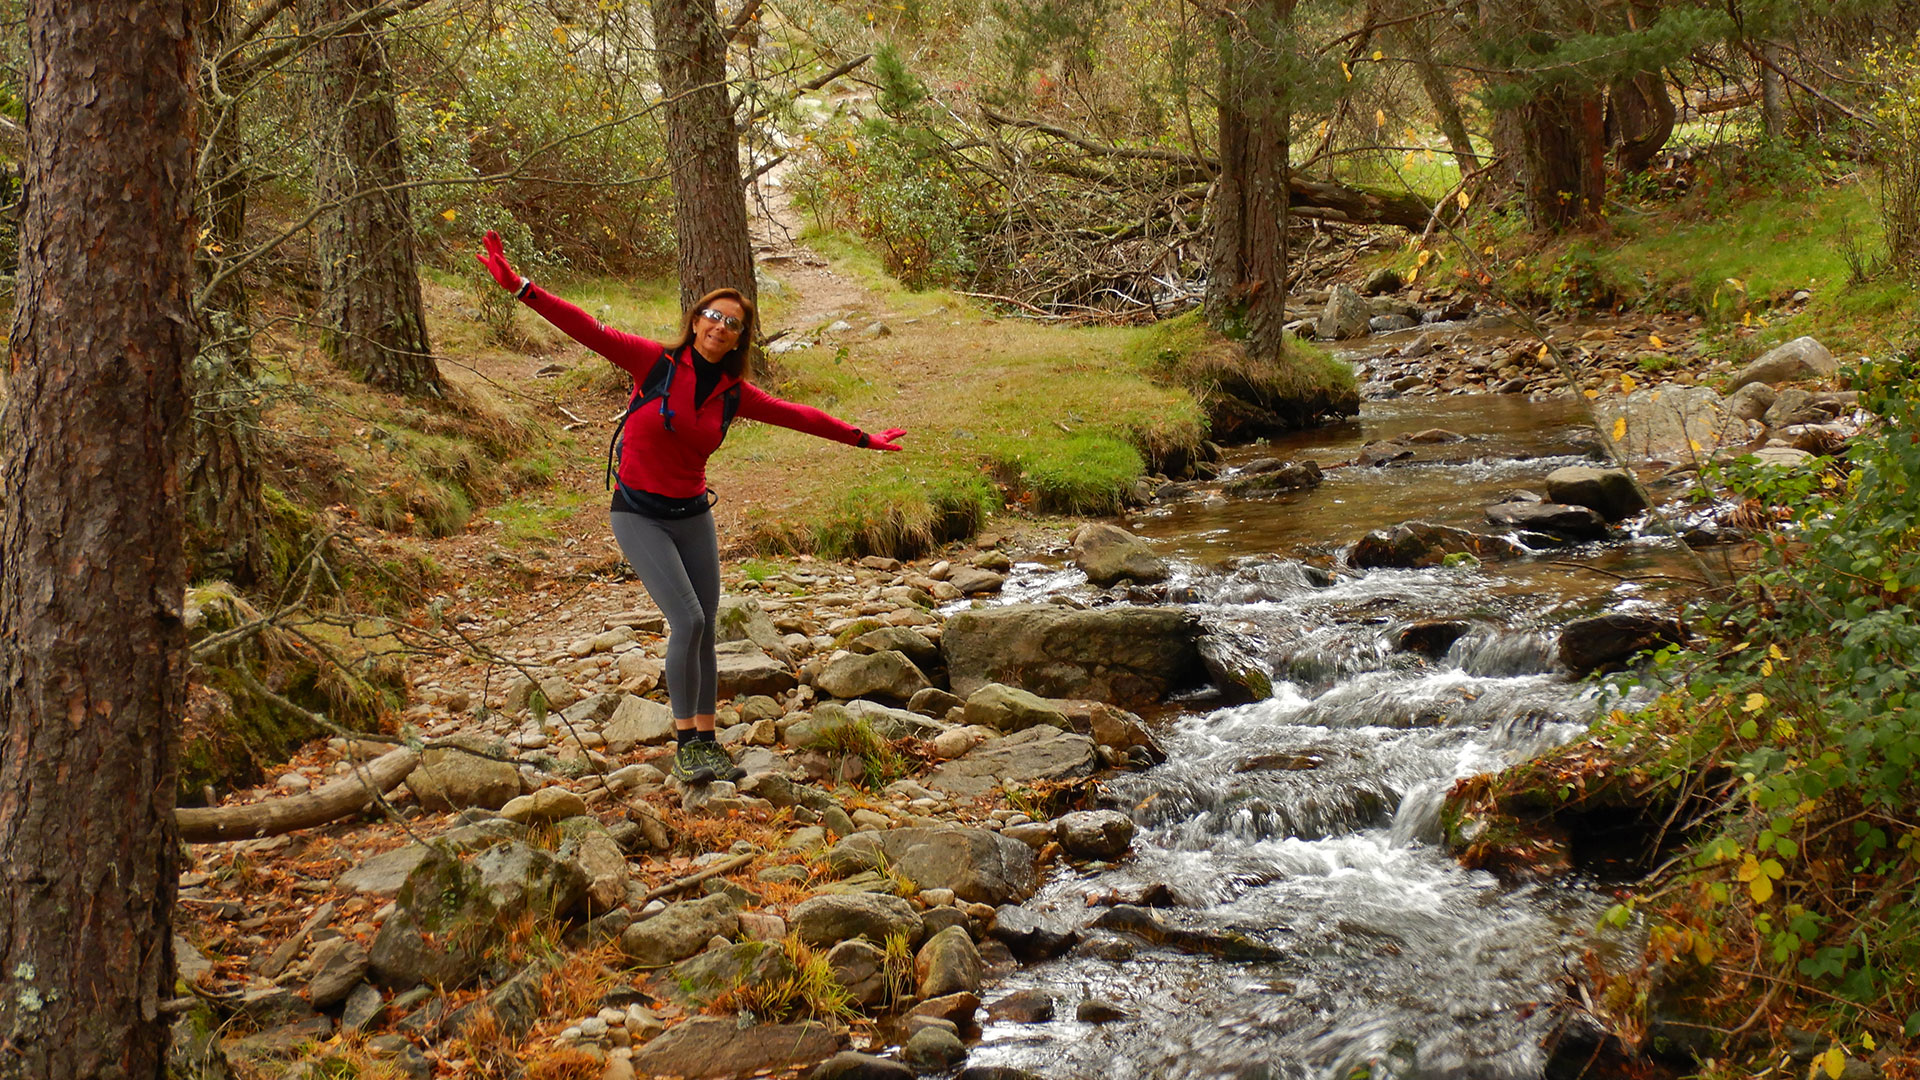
679	563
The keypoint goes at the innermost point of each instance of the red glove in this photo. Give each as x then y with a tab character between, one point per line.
495	260
886	439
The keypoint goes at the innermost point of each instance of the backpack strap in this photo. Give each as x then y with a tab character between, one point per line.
655	386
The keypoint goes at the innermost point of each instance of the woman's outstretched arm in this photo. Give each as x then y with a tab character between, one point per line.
630	351
757	404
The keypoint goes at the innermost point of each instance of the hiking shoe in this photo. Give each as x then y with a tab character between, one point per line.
721	763
691	765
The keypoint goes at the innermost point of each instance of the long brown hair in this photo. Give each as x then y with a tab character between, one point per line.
735	362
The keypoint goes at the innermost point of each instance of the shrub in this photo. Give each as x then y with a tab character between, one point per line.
1897	147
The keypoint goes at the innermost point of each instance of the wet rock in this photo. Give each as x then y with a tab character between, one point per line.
947	964
712	1047
1121	655
1122	730
1387	324
1608	492
1098	1011
1285	476
860	967
1801	358
1234	666
1419	543
824	921
1431	638
1023	1007
932	1048
1608	640
1094	834
637	721
681	930
979	865
1666	423
1345	315
698	981
848	1065
465	770
976	581
1007	709
1144	924
956	1009
1560	519
888	674
746	669
1030	935
995	1072
1109	553
1038	753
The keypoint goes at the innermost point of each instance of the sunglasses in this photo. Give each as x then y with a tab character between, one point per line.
727	321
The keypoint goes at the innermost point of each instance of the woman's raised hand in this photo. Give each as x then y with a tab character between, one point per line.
886	440
495	260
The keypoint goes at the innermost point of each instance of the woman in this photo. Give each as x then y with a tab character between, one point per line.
684	396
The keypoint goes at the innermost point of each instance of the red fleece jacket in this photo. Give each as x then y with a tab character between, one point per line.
674	463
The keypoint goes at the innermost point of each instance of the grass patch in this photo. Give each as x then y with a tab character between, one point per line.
536	518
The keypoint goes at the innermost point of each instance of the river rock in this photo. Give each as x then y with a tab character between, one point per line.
848	1065
519	878
1234	666
1420	543
1094	834
1801	358
956	742
1123	655
555	690
1038	753
544	807
463	771
996	1072
861	968
887	674
932	1048
1280	477
947	964
637	721
712	1047
1560	519
1109	553
1144	924
741	619
700	980
1782	457
1030	935
337	966
1431	638
1345	315
746	669
1116	727
1751	401
1023	1007
1795	406
1666	423
681	930
1387	324
824	921
924	654
1610	639
1098	1011
598	855
976	580
956	1009
1608	492
830	725
383	874
1007	709
979	865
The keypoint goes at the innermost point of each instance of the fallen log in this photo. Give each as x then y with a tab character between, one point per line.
348	795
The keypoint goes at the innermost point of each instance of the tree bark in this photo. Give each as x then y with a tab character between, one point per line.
1446	105
222	472
703	145
1247	264
1563	137
92	571
1640	118
372	320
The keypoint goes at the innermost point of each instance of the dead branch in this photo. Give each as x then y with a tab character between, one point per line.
331	802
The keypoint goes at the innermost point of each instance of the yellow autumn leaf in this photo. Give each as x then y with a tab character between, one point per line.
1749	870
1345	70
1766	667
1413	275
1741	647
1425	258
1774	651
1488	250
1695	444
450	214
1620	428
1755	702
1378	55
1866	1041
1464	200
1702	949
1746	318
1591	394
1626	383
1835	1062
1379	118
1761	889
1543	350
1655	340
559	33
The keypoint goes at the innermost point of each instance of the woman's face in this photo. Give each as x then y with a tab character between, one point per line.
712	336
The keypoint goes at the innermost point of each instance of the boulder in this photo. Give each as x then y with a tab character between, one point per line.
1123	655
1560	519
976	580
440	930
861	968
1801	358
1144	924
1023	1007
681	930
519	879
979	865
1751	401
544	807
1667	423
1608	640
933	1048
745	669
924	654
1121	730
1234	666
637	721
1094	834
825	921
887	674
934	702
741	619
463	771
1419	543
1345	315
1109	553
947	964
1007	709
599	856
956	1009
848	1065
830	725
712	1047
1382	279
1608	492
383	874
700	980
1038	753
1431	638
1030	935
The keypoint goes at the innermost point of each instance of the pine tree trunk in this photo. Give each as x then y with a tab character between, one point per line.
371	316
1247	265
1563	135
703	145
1446	105
92	648
221	476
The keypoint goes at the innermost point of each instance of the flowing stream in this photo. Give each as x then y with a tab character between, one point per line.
1310	821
